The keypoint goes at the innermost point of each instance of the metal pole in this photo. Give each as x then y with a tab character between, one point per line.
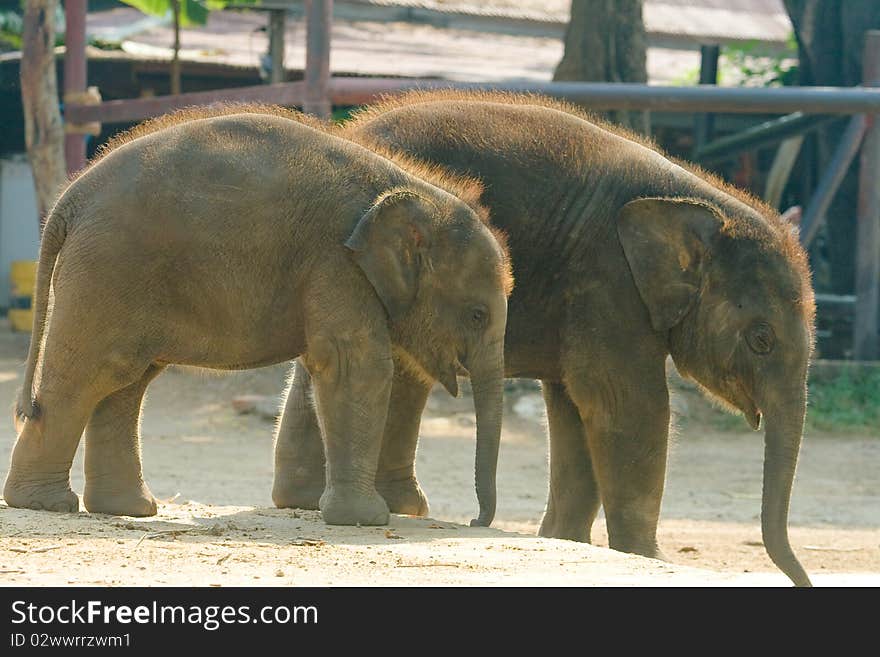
865	330
846	151
319	15
765	134
632	96
704	123
277	19
595	95
75	78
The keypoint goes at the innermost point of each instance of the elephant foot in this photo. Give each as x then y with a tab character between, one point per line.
297	494
641	547
404	496
137	502
41	495
570	531
347	506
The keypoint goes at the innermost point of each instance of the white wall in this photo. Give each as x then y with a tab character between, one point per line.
19	230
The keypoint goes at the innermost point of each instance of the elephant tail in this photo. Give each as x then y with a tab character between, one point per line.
54	234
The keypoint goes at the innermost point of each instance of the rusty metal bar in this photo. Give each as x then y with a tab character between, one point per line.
75	78
764	134
831	179
359	91
319	17
290	94
867	320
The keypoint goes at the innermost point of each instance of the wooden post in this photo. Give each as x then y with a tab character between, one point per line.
43	130
75	75
277	20
319	14
867	319
703	123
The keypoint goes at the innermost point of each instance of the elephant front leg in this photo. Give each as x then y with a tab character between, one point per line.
352	380
396	478
299	450
573	500
627	434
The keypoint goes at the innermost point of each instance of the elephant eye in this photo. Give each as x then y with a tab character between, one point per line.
761	338
478	317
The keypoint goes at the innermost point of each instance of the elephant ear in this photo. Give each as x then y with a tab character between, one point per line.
388	245
666	242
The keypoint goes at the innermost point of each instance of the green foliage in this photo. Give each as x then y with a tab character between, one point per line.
192	12
12	27
849	401
745	66
104	44
843	399
751	69
342	114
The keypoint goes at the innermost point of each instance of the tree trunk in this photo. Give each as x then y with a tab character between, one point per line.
605	42
830	36
44	132
175	58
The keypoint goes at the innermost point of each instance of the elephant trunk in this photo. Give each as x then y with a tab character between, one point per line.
487	381
782	441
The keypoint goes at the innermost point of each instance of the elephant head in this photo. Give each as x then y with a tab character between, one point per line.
443	276
733	291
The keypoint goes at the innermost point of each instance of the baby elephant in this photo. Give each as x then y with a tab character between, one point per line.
238	241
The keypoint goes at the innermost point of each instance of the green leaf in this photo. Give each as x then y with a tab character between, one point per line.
192	13
151	7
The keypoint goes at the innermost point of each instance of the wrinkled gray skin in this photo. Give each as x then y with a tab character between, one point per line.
241	241
621	259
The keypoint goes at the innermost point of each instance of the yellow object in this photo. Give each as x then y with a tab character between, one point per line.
22	276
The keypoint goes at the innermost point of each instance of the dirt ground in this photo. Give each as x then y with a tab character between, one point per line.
217	526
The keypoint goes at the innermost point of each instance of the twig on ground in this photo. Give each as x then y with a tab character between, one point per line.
176	532
428	565
824	548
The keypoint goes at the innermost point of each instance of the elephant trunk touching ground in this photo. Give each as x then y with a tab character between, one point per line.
487	381
782	441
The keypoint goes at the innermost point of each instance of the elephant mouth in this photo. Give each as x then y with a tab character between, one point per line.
448	375
731	393
751	412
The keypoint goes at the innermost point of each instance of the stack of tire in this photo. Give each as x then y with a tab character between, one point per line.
22	276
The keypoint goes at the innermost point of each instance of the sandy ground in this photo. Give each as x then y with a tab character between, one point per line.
218	527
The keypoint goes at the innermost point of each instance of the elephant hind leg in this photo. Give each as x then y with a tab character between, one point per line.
39	474
79	369
114	478
573	500
299	449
